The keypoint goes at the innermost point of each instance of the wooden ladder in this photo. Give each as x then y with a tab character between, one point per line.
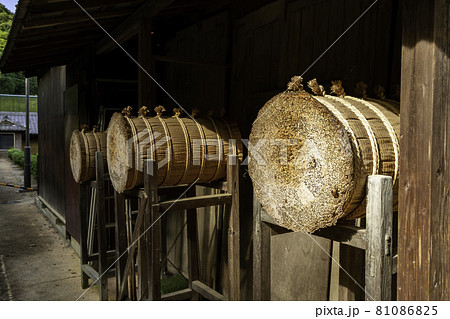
93	216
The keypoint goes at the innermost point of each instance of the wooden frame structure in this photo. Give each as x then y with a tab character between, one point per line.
46	34
376	239
148	230
96	211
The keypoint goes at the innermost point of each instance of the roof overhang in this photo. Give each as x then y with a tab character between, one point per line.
50	32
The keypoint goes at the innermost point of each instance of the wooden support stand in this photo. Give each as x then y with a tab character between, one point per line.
375	239
148	232
94	266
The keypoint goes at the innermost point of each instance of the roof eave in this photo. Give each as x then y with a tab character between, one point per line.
19	17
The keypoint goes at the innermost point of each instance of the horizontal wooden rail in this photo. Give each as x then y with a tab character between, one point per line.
196	202
344	234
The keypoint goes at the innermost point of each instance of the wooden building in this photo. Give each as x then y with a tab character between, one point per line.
13	128
236	55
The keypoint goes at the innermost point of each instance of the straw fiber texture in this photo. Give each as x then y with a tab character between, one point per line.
83	146
187	151
333	144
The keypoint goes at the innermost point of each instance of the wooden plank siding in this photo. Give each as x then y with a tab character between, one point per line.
424	237
197	86
79	108
51	138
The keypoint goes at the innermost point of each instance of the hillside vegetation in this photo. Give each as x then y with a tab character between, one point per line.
11	83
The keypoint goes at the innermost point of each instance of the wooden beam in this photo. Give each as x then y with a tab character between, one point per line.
232	214
184	294
207	292
70	6
197	202
136	234
91	272
39	60
17	66
424	236
349	235
344	234
261	255
101	227
192	244
379	238
84	213
44	22
68	30
130	26
63	43
120	235
153	229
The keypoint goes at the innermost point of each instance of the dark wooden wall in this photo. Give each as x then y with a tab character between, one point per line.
51	138
79	108
282	40
197	86
116	83
265	48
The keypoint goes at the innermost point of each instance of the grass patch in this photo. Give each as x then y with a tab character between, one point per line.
17	156
173	283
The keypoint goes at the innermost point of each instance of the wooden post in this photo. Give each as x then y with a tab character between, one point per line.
101	227
233	229
261	255
146	85
379	238
129	264
142	258
153	230
84	213
424	238
193	249
120	239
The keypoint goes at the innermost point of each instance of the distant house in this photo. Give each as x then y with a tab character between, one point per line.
12	130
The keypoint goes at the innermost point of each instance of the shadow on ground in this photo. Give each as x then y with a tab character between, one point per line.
36	263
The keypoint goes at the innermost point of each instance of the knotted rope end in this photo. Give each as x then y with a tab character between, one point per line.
316	88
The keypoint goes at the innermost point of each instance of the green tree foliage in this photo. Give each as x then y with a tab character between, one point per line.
11	83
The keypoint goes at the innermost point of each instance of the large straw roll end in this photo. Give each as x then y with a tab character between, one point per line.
118	152
303	170
77	149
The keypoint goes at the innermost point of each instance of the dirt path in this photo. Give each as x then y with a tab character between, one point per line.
36	263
